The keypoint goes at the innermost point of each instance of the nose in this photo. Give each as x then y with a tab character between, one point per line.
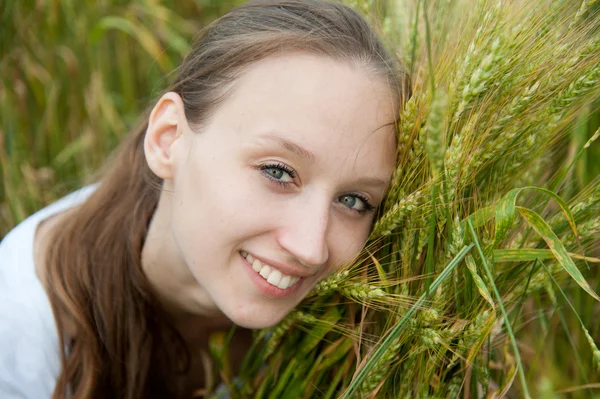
303	233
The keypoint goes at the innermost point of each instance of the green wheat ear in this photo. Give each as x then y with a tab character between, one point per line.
493	97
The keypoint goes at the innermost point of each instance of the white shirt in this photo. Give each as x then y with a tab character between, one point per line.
29	345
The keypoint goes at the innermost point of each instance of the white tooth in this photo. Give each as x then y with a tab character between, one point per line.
274	277
265	271
244	253
256	265
250	258
285	282
294	280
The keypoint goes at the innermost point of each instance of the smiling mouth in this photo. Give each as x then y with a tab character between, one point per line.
270	274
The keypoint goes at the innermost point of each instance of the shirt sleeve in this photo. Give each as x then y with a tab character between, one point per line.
29	357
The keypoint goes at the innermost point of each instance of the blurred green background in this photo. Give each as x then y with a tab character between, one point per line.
76	76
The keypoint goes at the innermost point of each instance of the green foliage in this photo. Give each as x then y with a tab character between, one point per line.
75	77
499	141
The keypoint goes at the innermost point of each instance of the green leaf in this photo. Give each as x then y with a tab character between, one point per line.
483	291
479	217
505	214
559	251
506	211
339	375
333	356
484	333
283	378
380	270
528	255
335	353
318	332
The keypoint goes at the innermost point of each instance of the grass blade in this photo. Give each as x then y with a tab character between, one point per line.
506	211
479	217
529	255
559	251
483	291
513	341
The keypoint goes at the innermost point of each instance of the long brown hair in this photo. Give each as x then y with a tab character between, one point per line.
124	345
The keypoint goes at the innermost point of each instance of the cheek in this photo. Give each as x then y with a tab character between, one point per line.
347	240
229	204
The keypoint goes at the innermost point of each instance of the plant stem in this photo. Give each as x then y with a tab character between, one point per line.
513	341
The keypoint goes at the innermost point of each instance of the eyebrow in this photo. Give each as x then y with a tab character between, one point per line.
297	149
290	146
372	182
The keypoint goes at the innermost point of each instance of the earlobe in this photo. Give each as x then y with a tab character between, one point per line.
164	128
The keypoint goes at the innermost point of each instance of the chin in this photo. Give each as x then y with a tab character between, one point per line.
257	319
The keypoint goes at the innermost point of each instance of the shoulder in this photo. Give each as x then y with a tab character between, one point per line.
29	346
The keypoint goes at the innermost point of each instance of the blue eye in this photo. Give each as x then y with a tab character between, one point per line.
279	173
356	202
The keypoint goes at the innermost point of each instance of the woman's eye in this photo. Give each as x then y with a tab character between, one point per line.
279	173
355	202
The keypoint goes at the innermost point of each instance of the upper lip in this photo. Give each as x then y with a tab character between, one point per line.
290	271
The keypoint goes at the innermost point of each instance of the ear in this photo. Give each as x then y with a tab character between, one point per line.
165	126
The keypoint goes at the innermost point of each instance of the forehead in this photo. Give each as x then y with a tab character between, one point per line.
335	110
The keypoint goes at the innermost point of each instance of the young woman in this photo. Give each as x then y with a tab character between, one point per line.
256	174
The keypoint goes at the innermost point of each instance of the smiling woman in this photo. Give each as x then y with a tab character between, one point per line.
295	200
256	175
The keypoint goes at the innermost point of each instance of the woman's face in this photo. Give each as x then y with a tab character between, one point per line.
278	189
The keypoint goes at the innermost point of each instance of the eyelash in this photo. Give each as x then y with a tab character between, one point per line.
368	206
280	166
